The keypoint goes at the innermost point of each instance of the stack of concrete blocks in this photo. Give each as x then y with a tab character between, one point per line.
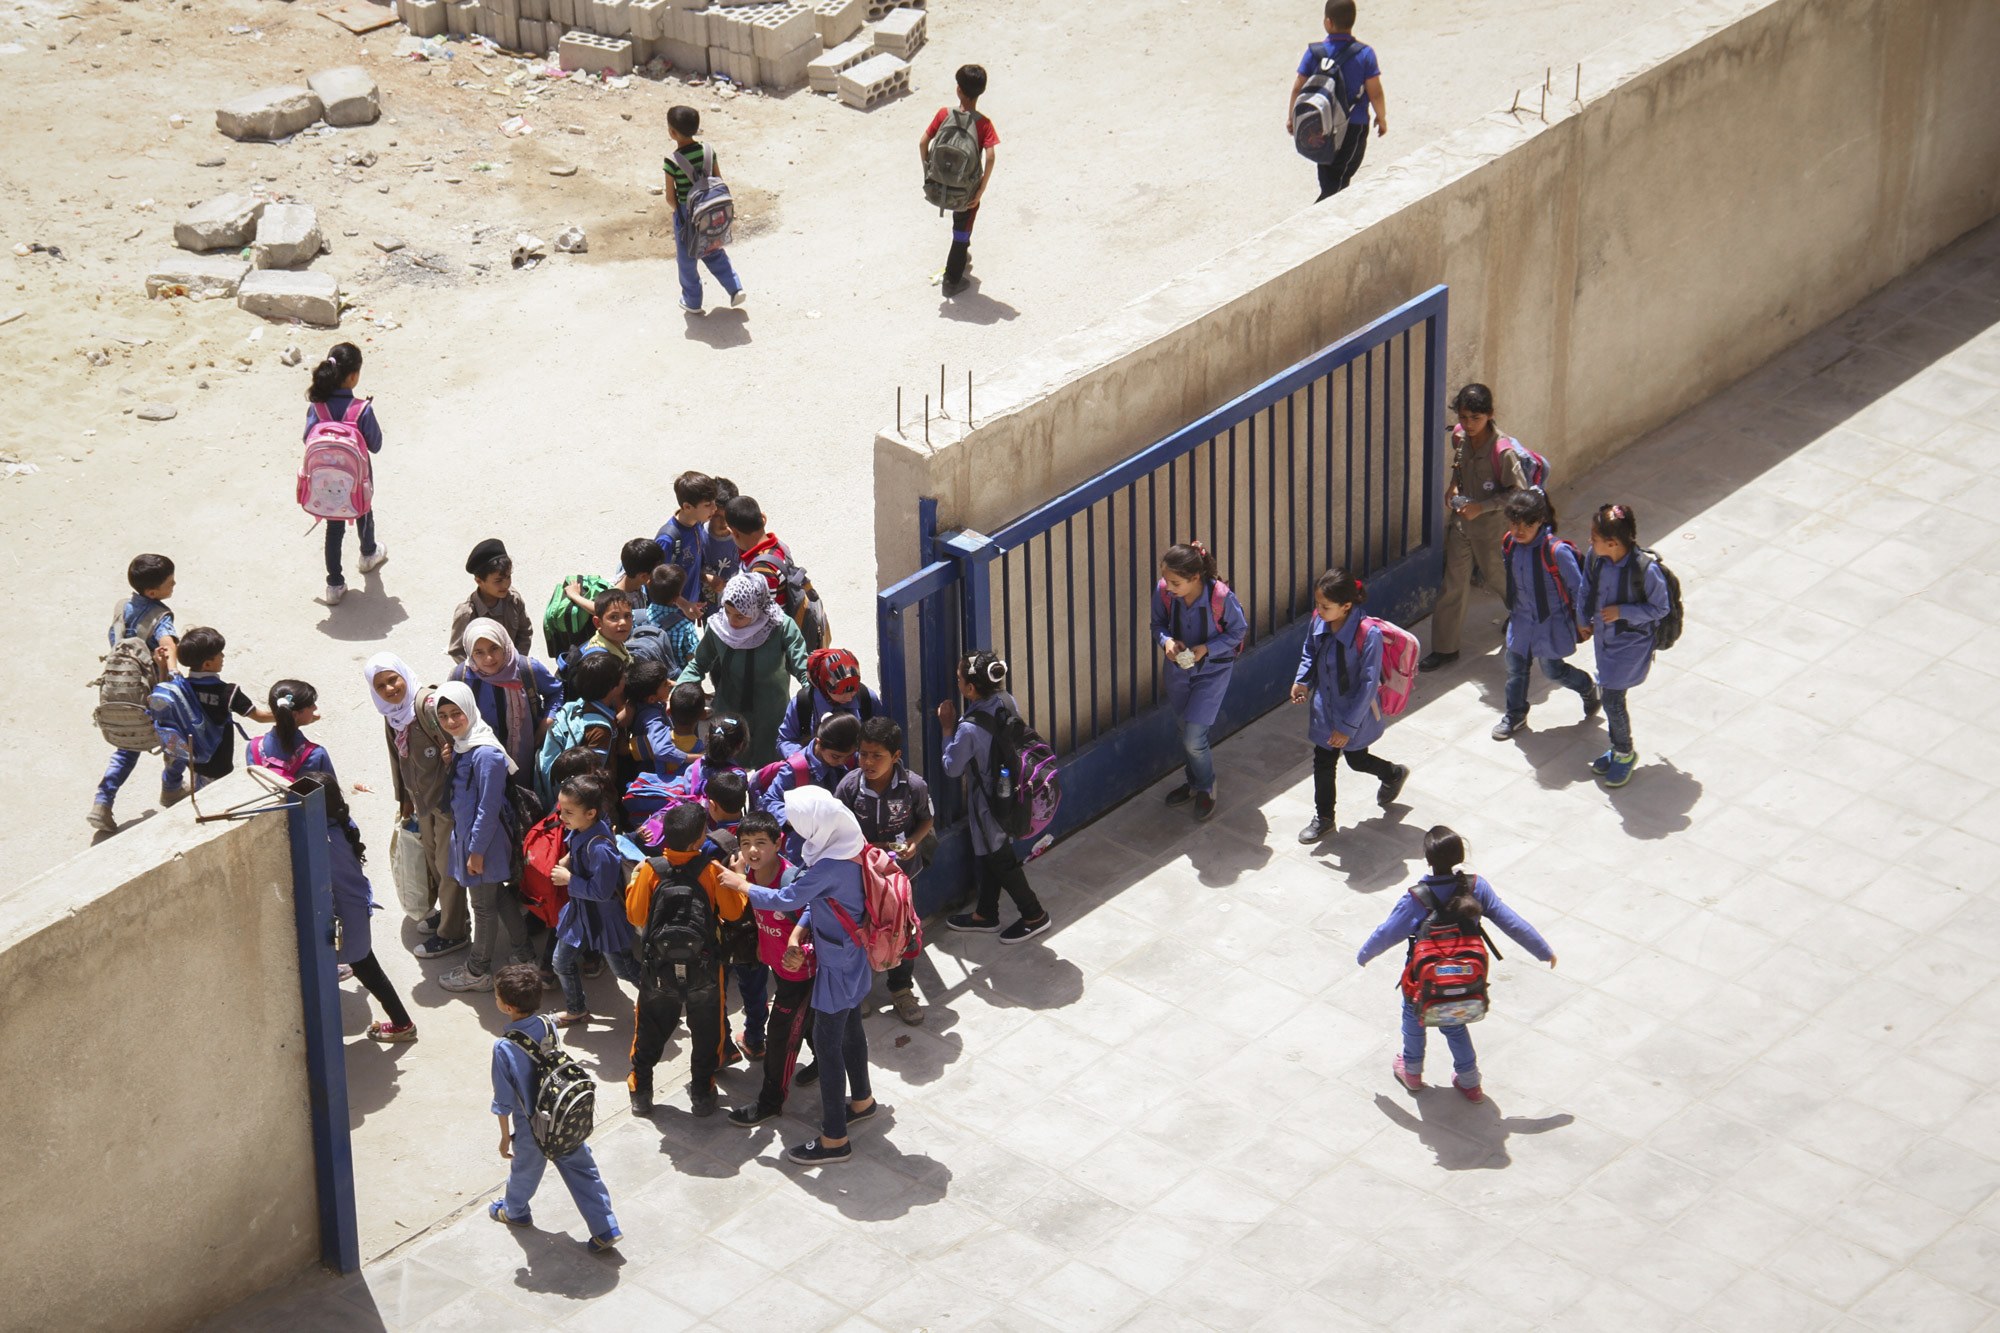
598	55
682	36
424	18
459	17
825	72
769	44
874	81
878	9
838	20
901	33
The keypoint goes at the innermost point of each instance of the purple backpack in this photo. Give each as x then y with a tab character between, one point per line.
1023	787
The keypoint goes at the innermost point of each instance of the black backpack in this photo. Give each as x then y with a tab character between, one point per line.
864	708
1667	629
681	947
565	1095
1320	127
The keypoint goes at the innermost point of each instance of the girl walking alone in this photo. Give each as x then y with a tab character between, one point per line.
1200	627
1340	671
332	397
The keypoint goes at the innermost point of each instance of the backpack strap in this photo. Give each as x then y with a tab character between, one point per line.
321	414
354	410
853	932
1218	597
149	622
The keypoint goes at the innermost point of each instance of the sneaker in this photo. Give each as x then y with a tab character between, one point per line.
730	1054
752	1114
738	299
1204	804
642	1101
334	592
1505	728
855	1117
701	1100
389	1032
437	946
376	558
101	819
568	1020
1318	829
497	1210
951	288
1180	795
691	309
594	967
1432	661
1593	703
1392	786
343	973
172	796
972	923
464	979
1620	771
1414	1082
752	1050
807	1076
810	1153
1470	1092
432	921
1025	929
1602	764
905	1004
602	1244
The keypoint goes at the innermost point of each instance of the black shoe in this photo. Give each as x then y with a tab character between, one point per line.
1025	929
701	1100
1392	786
810	1153
1204	804
951	288
1593	703
1432	661
752	1114
1180	795
642	1101
1319	828
973	923
807	1075
431	922
594	968
855	1117
730	1053
1505	728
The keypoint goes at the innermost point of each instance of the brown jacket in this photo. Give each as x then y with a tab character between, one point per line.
512	613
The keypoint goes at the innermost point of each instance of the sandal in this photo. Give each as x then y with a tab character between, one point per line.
571	1020
391	1033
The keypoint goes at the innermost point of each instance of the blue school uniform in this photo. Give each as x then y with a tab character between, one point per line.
126	625
353	897
337	407
1625	646
798	727
1543	612
687	547
658	752
844	976
546	701
594	917
968	753
1195	693
788	779
479	812
1343	676
514	1095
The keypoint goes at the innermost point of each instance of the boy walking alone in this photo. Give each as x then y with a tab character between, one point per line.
1359	68
688	163
961	122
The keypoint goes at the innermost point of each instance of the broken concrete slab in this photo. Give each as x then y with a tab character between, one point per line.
197	275
348	95
313	298
269	113
157	412
388	245
226	222
572	241
288	236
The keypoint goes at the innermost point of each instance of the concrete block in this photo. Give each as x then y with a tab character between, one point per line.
588	51
287	237
725	29
270	113
617	17
689	27
874	81
484	20
824	70
507	32
685	58
313	298
347	96
647	18
506	9
778	31
458	18
425	18
789	70
901	32
732	65
563	14
196	275
879	9
530	33
691	6
538	10
227	222
838	20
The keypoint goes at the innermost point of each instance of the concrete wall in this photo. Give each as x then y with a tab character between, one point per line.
158	1159
1734	175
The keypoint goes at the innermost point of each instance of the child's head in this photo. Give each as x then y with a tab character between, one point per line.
517	989
834	672
581	801
981	674
725	491
612	614
640	557
881	746
1474	406
575	762
838	734
1528	511
664	584
971	82
294	704
151	576
1184	568
1614	531
728	792
1444	849
200	649
489	648
644	681
746	521
391	686
694	492
491	568
687	706
727	738
683	122
598	678
762	841
1336	594
1340	15
683	827
340	370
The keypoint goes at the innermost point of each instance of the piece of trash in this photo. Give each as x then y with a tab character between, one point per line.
812	314
255	334
11	316
291	356
903	1040
529	250
178	121
572	241
21	469
129	339
516	126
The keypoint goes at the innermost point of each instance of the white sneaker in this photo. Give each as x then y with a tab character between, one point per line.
739	300
691	309
334	592
371	563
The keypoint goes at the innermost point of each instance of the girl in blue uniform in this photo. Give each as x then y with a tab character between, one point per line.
1200	627
482	841
332	398
517	697
591	869
1545	614
285	751
1340	670
968	754
1626	593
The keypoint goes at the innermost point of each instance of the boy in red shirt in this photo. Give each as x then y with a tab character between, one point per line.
971	86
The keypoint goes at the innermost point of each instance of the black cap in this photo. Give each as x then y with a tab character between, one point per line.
487	550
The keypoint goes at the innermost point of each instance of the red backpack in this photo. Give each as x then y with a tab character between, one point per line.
891	930
541	848
1445	973
1548	561
801	769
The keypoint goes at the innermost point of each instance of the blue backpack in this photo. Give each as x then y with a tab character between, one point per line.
1320	127
186	731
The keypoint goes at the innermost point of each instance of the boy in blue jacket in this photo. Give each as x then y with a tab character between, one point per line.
144	615
1340	671
1546	618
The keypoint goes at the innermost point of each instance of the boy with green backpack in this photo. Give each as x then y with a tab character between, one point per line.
957	152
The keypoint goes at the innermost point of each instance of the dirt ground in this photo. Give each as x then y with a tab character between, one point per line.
551	406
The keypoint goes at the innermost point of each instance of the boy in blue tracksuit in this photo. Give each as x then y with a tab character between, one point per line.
1340	671
144	615
1545	612
685	538
1626	596
517	990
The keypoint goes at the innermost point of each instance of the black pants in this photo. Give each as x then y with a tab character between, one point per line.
1334	175
1002	870
791	1023
368	971
961	243
1326	768
658	1013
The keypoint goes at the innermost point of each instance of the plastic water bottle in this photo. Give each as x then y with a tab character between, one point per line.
1004	788
1048	840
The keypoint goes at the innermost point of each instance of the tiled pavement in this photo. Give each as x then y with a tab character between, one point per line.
1761	1091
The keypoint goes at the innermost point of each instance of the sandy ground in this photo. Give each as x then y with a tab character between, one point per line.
552	406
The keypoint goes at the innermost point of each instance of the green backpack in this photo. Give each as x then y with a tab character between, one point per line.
564	623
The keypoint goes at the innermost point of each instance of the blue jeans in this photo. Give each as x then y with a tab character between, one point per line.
1619	720
1464	1062
1557	670
336	531
1200	761
718	265
579	1172
753	984
569	971
121	766
840	1045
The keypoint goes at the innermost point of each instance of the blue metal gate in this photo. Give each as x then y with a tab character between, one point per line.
1335	461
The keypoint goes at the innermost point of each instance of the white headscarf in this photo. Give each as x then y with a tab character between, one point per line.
829	828
459	693
400	715
750	595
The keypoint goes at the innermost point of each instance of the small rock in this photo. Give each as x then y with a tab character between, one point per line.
624	115
213	162
270	113
350	233
381	189
454	180
529	250
11	316
389	245
574	129
157	412
563	169
572	241
178	121
291	356
201	384
349	95
97	356
361	157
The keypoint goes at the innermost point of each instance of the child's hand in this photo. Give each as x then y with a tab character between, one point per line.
506	1144
734	881
1200	652
1552	961
1299	692
1609	614
1175	648
687	608
560	876
947	715
404	810
1337	740
1583	634
476	863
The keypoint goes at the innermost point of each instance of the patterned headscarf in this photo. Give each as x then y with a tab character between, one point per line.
751	596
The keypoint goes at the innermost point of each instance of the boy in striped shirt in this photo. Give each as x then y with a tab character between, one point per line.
683	122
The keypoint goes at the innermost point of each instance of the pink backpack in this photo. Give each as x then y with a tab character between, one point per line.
893	931
1218	591
801	773
1399	664
335	480
288	769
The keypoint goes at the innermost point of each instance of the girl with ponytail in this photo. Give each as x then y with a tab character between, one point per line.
968	753
332	397
285	751
1199	626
